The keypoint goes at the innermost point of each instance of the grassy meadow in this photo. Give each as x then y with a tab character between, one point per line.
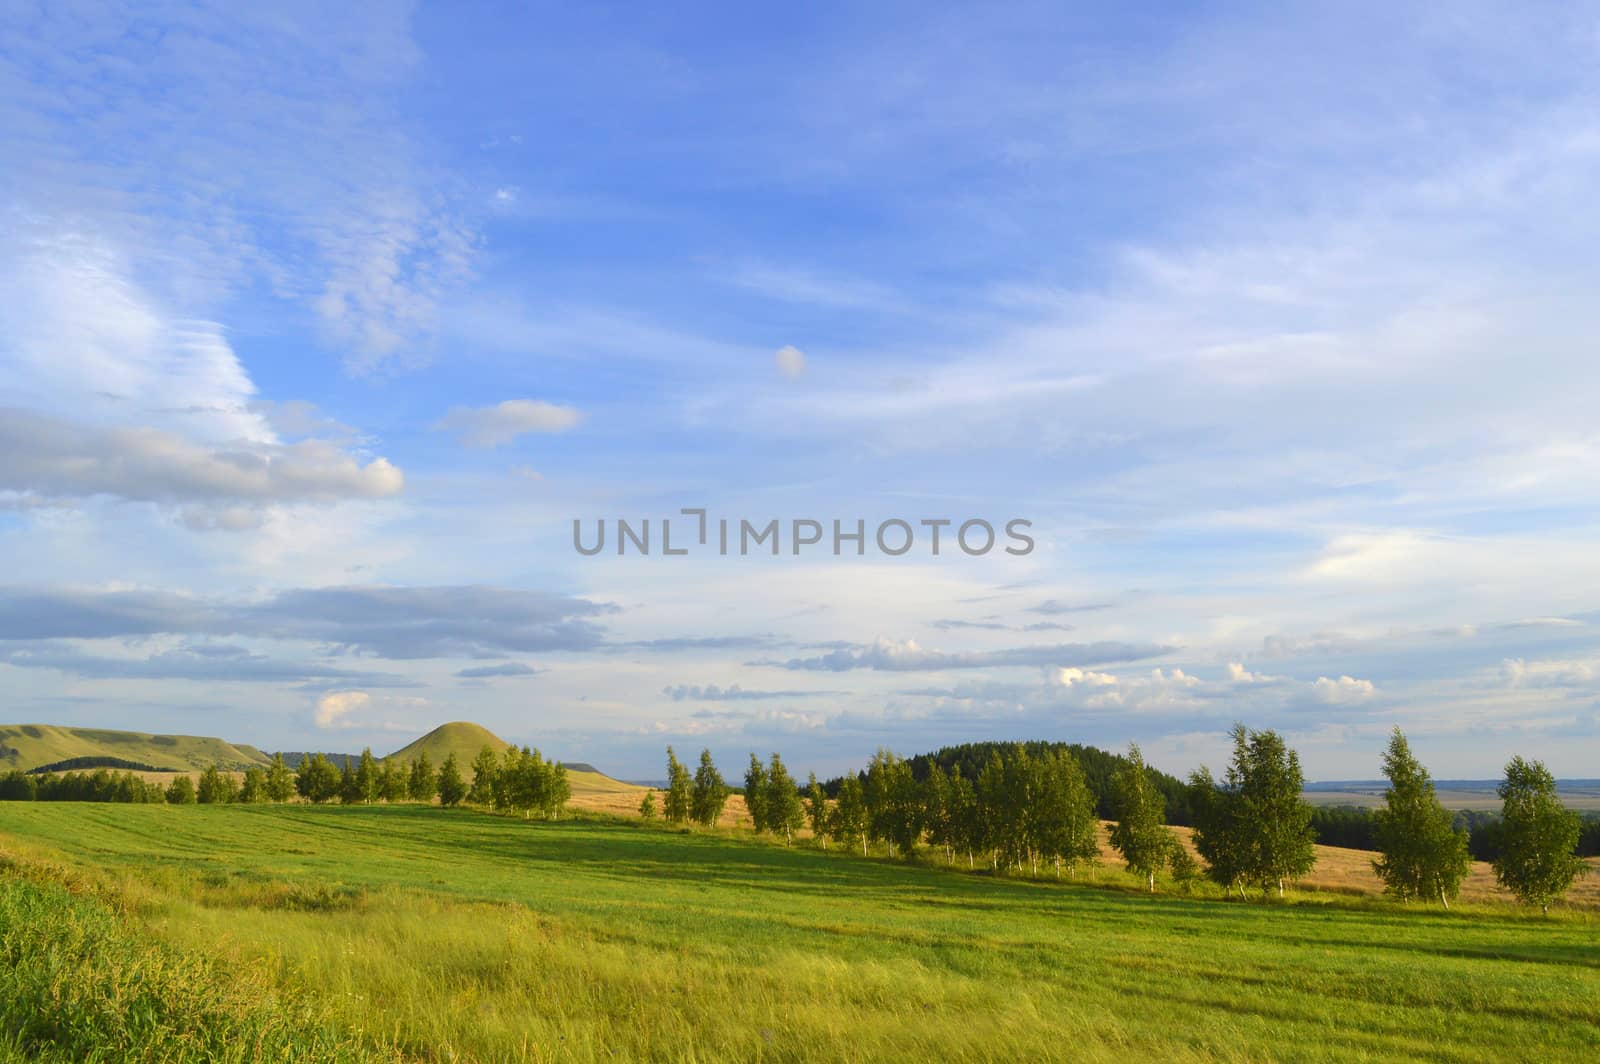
409	932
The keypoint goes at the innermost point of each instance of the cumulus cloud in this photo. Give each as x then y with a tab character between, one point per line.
59	459
1238	674
1073	676
334	708
1344	690
791	362
907	656
497	425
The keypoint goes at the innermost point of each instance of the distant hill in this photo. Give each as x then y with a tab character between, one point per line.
465	740
30	746
459	737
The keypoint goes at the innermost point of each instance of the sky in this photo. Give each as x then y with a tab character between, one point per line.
321	326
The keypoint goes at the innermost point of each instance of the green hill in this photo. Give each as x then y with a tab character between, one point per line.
465	740
29	746
459	737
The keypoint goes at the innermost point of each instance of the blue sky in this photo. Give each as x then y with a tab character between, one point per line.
1277	321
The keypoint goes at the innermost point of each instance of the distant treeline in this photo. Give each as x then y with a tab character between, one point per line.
1099	771
1356	828
98	786
293	758
75	763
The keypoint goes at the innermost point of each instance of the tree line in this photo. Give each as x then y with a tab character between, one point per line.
1028	806
1356	828
519	781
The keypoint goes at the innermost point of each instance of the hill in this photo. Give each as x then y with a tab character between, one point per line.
465	740
31	746
459	737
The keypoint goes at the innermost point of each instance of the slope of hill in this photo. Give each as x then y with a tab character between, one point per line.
465	740
28	746
459	737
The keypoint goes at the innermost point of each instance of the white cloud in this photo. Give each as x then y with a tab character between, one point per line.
1238	674
1073	676
334	708
495	426
60	459
1549	672
293	169
79	337
791	362
1343	691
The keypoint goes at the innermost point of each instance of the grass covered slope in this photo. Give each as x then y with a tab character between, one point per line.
28	746
460	737
466	740
476	937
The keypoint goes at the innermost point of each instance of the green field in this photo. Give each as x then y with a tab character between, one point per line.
455	935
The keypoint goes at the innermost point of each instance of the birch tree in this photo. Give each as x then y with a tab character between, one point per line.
1423	856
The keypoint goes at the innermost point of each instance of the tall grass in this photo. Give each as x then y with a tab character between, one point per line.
468	937
82	984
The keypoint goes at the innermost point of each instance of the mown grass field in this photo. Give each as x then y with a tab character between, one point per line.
452	935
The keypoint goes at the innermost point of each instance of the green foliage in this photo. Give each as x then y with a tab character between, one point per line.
817	811
254	788
710	793
784	811
1098	767
647	805
755	793
452	789
894	808
367	786
18	786
676	806
1423	856
850	818
97	786
485	767
350	785
1538	860
1346	826
280	785
1181	863
1254	829
317	780
422	785
1139	835
215	788
394	780
181	790
527	783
